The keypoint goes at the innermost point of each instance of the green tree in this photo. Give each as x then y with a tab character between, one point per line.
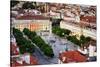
26	31
74	40
30	34
23	43
82	39
17	33
47	50
60	32
88	39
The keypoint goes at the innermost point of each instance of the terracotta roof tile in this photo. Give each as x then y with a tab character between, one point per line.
31	17
33	61
72	56
91	19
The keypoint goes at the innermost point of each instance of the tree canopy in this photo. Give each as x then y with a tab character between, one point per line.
45	48
24	44
60	32
73	38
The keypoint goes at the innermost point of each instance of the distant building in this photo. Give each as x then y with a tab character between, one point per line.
88	21
76	29
32	22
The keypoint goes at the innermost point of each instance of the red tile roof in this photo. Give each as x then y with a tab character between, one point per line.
33	61
15	64
31	17
72	56
91	19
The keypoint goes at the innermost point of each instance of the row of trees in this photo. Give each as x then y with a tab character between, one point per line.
47	50
73	38
84	40
60	32
24	44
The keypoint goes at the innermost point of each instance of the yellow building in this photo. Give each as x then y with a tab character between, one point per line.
33	23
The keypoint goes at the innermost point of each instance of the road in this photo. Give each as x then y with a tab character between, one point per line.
42	59
58	46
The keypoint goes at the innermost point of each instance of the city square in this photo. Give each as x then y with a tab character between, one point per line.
52	33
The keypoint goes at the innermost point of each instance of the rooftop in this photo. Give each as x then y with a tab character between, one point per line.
19	62
91	19
31	17
72	56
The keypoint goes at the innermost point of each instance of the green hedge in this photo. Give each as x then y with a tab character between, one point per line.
84	39
60	32
47	50
23	43
74	40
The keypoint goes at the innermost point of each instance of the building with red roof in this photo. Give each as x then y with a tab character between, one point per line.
31	17
88	19
32	22
24	60
72	56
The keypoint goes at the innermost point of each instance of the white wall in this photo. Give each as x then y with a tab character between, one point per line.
65	25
